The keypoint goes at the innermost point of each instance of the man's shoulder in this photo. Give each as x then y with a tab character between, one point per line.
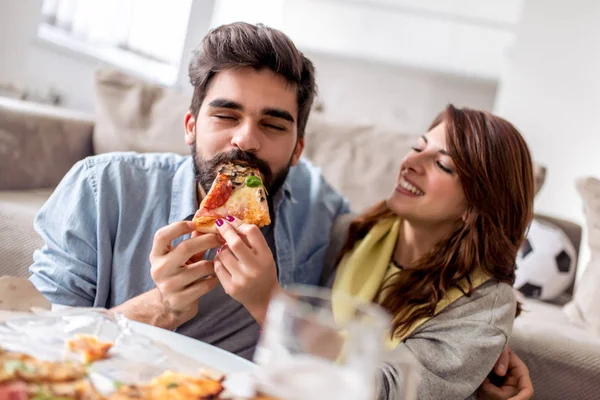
148	162
305	175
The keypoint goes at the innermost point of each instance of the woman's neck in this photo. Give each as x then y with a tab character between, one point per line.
415	241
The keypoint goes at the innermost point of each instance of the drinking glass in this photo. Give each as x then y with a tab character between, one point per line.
307	352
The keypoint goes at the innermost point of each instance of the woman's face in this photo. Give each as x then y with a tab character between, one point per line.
428	190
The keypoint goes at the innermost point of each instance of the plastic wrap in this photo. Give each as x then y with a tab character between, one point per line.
133	359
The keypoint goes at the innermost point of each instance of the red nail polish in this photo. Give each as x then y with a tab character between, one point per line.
219	222
219	250
229	218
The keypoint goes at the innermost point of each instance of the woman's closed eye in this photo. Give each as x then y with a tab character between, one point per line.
444	168
440	165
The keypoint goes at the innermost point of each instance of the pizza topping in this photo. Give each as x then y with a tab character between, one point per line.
219	194
253	181
11	366
90	348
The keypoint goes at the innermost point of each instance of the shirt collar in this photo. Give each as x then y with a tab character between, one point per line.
184	195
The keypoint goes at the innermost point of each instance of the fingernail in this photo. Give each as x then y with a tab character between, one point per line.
502	368
219	222
229	218
219	250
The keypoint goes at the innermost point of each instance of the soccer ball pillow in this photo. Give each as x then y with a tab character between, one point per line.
545	262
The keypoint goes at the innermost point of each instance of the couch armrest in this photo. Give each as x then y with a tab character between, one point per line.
563	359
560	367
39	143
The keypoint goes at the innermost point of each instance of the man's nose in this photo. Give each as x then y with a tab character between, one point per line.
247	137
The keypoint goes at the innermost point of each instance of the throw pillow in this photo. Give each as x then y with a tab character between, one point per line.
584	309
134	115
40	143
539	175
546	263
354	156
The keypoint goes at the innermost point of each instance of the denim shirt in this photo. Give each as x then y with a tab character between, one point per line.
100	222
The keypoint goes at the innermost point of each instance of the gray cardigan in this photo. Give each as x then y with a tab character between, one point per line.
456	349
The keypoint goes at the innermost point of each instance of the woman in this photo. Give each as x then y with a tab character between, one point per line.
439	254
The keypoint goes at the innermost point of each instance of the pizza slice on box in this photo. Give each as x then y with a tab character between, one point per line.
238	191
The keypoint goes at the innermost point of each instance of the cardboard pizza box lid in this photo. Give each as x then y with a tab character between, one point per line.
19	295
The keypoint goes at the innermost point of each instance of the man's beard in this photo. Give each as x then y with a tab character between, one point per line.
205	171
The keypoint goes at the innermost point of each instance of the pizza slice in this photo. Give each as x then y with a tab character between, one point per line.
22	367
89	347
238	191
30	378
171	385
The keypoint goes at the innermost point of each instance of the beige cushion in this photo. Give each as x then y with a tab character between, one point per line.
539	174
18	240
584	310
563	359
133	115
40	143
361	161
19	294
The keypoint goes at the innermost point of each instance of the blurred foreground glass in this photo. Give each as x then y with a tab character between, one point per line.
307	353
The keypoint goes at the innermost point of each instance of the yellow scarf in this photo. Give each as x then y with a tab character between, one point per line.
361	274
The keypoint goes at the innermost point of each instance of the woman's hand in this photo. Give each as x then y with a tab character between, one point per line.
517	383
245	266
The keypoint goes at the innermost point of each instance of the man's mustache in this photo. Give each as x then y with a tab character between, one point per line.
243	157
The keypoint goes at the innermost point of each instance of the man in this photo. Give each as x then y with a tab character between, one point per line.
117	228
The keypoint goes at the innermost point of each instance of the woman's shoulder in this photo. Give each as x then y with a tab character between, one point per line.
493	303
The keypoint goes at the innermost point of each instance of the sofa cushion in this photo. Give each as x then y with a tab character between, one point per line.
40	143
18	240
584	310
361	161
134	115
539	175
564	360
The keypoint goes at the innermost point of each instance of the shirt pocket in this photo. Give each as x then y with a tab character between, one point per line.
309	271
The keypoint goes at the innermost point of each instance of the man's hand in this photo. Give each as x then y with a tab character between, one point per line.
180	274
517	383
181	277
245	266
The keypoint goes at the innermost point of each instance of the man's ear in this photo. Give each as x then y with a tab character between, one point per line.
297	151
190	128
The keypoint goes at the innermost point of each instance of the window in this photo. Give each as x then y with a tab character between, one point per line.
142	36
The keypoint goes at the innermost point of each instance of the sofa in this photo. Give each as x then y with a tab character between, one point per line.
39	143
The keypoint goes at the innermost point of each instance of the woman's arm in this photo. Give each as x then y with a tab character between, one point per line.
455	350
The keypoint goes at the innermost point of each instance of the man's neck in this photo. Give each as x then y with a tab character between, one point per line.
416	240
200	194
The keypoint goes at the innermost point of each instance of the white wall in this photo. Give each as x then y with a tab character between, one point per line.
30	64
404	99
350	89
467	37
550	89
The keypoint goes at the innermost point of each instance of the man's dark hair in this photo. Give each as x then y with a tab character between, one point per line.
240	45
